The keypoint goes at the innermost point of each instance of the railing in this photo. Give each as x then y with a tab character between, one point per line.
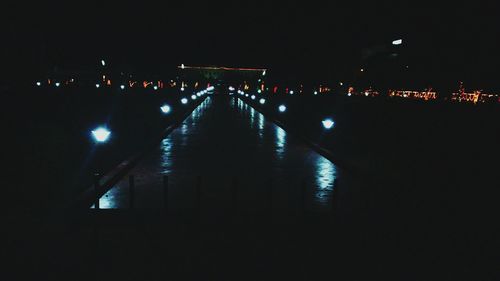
269	197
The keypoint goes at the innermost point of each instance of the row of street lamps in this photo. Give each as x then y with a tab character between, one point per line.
102	134
327	123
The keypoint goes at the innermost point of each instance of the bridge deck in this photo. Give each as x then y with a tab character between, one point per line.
226	141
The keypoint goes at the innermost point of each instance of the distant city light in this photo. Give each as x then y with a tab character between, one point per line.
246	95
362	70
101	134
155	88
397	42
231	88
182	89
103	63
184	100
39	84
211	88
199	94
264	73
252	97
349	94
122	87
97	85
328	123
262	101
165	109
58	84
193	97
182	66
291	92
315	93
282	108
259	91
341	84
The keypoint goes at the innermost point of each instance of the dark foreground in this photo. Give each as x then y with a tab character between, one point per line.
235	231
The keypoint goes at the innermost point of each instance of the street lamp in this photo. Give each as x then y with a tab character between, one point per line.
328	123
101	134
165	109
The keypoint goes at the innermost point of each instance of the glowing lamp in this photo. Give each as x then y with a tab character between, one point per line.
328	123
101	134
165	109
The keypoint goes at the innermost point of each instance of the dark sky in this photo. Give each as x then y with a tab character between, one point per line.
324	39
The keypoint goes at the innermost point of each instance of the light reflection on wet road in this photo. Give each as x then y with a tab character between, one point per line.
225	140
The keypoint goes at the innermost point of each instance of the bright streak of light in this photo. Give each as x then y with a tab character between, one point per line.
103	63
328	123
101	134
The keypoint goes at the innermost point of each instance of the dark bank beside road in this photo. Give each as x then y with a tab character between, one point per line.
433	167
52	156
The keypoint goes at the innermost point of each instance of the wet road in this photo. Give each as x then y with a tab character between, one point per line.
235	153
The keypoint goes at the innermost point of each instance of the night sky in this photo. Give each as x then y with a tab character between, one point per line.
313	40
